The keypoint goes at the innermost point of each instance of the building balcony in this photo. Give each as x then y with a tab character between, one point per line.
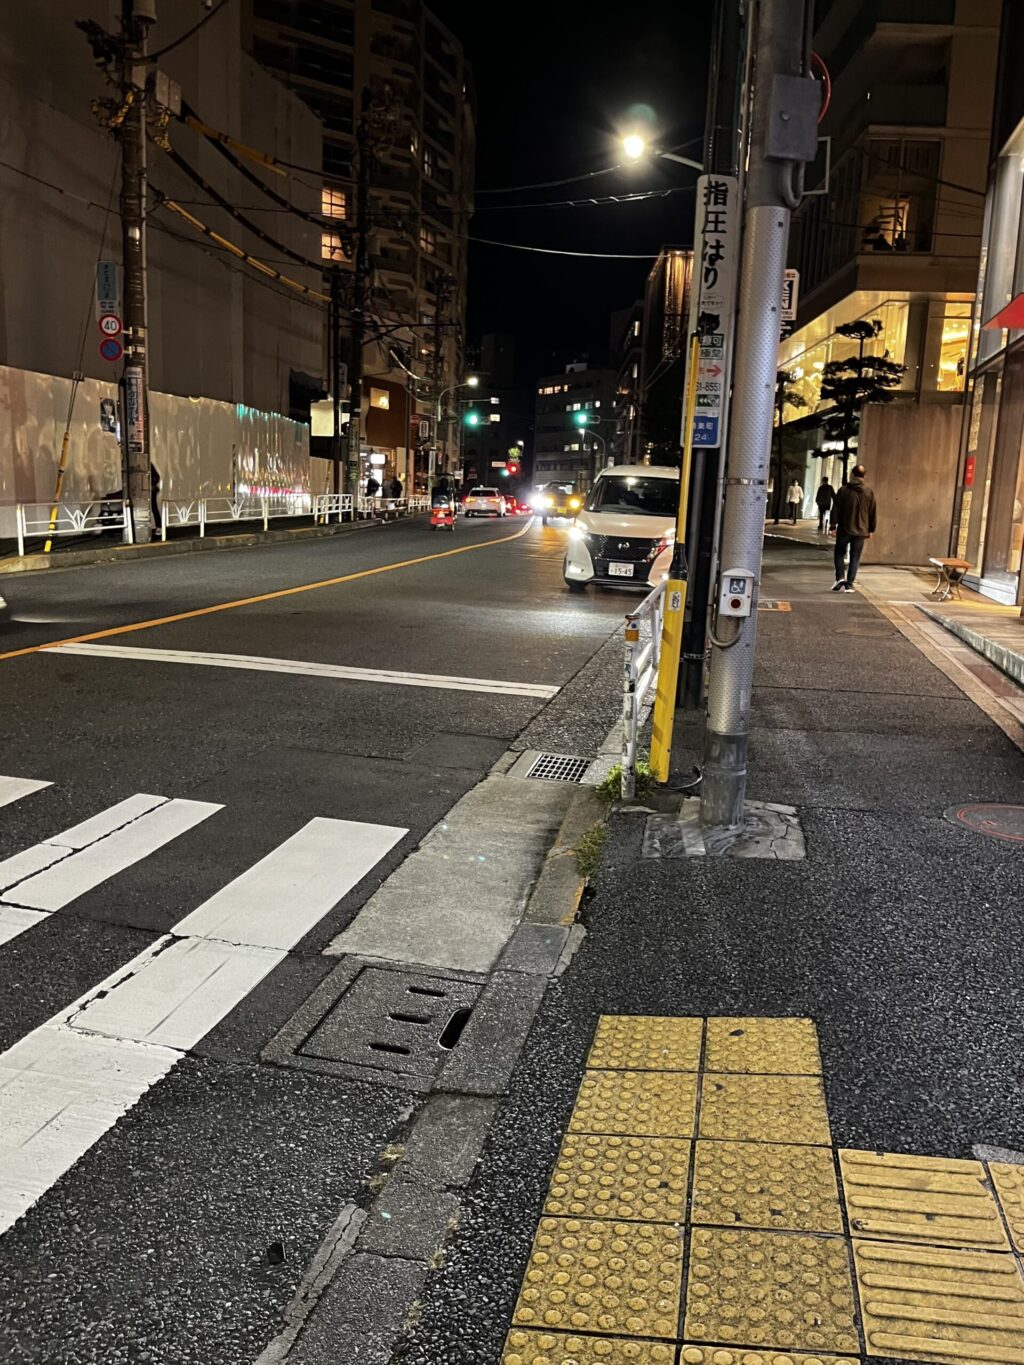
912	106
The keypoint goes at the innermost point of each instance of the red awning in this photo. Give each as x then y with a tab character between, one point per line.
1011	316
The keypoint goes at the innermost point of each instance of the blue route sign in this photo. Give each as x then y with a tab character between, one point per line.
705	430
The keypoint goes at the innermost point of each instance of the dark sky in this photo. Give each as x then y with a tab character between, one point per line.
555	83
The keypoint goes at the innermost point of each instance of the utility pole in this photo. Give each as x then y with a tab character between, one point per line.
136	17
783	138
440	442
360	298
334	327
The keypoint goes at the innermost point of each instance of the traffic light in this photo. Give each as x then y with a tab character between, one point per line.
472	419
581	418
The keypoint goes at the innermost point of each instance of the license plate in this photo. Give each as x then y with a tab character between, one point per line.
620	570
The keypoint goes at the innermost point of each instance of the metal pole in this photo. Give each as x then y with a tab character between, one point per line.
335	347
354	444
135	377
783	137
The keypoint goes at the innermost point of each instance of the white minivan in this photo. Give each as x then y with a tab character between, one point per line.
625	532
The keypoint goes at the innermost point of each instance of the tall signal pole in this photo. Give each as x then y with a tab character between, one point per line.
136	18
783	138
360	298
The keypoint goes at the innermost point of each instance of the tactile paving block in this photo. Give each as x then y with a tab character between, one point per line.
930	1303
638	1042
614	1279
770	1289
717	1355
920	1199
764	1109
550	1348
766	1185
636	1104
1009	1183
783	1047
620	1177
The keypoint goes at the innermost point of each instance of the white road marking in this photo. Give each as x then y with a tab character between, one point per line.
540	691
109	820
69	1081
14	921
14	788
78	873
27	863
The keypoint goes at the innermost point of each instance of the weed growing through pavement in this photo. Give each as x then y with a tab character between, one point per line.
589	849
611	788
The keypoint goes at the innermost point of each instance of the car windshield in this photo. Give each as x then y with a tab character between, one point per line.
634	495
484	493
560	488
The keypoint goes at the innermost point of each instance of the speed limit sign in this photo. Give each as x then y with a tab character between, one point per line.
110	325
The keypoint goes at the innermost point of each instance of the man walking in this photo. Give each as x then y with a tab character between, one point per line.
854	515
823	500
795	497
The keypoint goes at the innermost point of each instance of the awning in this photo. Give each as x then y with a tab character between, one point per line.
1010	316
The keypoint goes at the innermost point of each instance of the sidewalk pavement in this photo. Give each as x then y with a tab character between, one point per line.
604	1233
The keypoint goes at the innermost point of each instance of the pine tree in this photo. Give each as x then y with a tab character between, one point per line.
850	384
785	397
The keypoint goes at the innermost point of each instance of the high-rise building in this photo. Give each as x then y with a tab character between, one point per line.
627	356
565	450
988	526
395	56
892	238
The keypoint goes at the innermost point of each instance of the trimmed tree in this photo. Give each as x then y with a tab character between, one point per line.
852	383
786	396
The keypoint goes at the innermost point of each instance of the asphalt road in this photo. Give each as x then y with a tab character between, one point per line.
160	1244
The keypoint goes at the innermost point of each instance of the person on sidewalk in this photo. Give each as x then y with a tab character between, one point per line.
854	515
795	497
823	500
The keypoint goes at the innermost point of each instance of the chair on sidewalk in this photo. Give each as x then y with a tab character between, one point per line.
948	574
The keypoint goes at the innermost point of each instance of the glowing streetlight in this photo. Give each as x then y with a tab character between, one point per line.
472	382
634	146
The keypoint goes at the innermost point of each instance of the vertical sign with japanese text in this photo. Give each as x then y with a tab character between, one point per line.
717	242
108	288
134	412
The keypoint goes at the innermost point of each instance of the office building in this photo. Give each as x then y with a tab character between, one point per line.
564	450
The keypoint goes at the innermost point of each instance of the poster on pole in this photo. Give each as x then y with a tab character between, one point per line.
134	413
717	239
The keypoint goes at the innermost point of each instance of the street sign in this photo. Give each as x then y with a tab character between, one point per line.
790	295
111	349
134	419
110	325
108	288
423	428
717	234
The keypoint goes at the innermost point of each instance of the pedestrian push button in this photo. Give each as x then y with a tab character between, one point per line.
736	594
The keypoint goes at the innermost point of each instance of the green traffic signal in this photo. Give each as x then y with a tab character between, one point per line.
472	419
581	418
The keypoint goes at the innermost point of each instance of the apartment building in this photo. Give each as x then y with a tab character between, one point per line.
565	450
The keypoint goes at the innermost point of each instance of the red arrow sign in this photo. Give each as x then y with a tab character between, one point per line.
713	370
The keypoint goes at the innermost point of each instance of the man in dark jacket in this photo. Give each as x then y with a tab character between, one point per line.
854	516
823	500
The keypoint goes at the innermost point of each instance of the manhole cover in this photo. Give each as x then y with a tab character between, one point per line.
394	1021
998	822
559	767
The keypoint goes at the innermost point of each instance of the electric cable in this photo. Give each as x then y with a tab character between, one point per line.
152	56
556	251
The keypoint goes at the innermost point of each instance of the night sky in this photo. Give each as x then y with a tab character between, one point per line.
555	84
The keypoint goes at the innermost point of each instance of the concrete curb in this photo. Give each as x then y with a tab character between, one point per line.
157	549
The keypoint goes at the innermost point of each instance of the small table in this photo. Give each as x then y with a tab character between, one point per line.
949	573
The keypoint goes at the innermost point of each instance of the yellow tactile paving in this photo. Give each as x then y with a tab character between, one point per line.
934	1304
782	1047
636	1104
920	1199
1009	1183
551	1348
770	1289
638	1042
766	1185
620	1177
717	1355
616	1279
764	1109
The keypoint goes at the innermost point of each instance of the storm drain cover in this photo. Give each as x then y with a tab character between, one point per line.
559	767
394	1021
998	822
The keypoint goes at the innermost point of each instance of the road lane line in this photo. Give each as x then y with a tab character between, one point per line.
74	875
14	788
265	596
68	1082
260	664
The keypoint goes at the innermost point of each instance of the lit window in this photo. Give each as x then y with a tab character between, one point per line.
428	161
635	369
636	327
597	402
428	240
332	203
331	248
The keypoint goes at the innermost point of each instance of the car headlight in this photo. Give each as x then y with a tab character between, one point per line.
574	502
549	502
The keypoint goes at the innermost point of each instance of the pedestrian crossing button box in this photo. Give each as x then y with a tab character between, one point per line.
736	593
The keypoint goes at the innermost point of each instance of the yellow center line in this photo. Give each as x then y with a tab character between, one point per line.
263	597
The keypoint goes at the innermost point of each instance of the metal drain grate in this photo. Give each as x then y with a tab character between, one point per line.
559	767
394	1021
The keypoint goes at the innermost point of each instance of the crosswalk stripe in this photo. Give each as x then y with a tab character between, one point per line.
257	663
107	821
71	877
14	921
14	788
67	1082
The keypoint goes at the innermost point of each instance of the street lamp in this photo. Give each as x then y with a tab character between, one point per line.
635	148
471	382
586	422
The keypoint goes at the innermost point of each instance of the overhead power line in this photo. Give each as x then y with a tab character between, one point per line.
152	56
557	251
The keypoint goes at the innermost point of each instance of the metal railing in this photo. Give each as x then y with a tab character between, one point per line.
71	519
643	647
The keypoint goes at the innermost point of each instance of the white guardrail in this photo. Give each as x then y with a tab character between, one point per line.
643	647
38	521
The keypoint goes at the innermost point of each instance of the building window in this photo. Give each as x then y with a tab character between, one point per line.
897	207
332	203
952	367
428	161
428	240
331	248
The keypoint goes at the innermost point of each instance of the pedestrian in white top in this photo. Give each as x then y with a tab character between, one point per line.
795	497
